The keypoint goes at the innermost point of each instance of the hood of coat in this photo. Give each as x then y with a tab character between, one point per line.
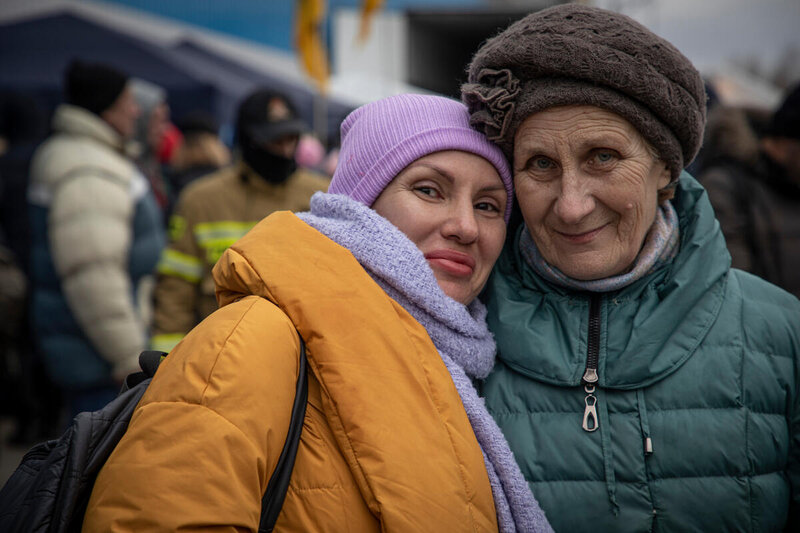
648	329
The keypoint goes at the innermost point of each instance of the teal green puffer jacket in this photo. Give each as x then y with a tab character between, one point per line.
695	406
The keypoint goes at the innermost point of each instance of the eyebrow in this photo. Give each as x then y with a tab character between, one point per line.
451	178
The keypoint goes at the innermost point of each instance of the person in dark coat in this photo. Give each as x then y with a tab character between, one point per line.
23	125
201	152
26	393
754	186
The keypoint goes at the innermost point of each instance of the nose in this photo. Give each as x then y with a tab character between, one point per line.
461	224
575	200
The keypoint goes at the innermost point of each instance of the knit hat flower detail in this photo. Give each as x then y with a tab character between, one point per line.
492	101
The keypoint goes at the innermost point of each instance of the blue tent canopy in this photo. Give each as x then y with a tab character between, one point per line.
34	54
234	81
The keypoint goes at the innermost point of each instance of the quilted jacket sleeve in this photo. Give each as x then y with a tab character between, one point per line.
205	439
90	237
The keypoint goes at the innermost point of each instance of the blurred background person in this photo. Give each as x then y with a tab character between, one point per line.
23	126
96	238
28	396
754	187
152	127
199	153
214	212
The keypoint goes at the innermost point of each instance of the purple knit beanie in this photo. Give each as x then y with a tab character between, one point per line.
382	138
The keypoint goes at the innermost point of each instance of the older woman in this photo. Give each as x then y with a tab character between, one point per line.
380	279
642	383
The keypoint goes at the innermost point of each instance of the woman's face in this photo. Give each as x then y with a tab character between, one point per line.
451	205
587	184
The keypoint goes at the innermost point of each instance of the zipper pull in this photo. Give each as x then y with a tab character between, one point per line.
648	446
590	420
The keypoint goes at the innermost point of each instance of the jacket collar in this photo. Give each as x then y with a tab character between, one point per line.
649	329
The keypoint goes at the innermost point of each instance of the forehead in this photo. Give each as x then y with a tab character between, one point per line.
459	167
574	125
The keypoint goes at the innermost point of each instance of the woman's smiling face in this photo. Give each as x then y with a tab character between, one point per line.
451	205
587	184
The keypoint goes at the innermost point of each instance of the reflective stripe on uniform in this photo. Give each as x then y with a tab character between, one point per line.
216	232
165	342
174	263
216	237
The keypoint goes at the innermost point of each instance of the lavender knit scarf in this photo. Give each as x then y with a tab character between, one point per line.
459	333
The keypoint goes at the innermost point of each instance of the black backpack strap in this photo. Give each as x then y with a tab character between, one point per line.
279	482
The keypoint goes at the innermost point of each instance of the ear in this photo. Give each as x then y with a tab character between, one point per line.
665	192
664	177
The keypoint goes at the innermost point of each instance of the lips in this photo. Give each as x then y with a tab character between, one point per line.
581	238
452	262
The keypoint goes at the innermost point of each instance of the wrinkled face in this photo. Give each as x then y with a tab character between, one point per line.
587	185
451	205
122	114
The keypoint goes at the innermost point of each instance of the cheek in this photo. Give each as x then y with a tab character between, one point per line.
636	216
532	198
493	242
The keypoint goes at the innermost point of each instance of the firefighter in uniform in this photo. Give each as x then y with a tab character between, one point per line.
215	211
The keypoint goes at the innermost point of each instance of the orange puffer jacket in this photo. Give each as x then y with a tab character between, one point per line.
386	444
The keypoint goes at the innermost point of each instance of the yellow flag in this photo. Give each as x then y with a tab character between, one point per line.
309	17
368	9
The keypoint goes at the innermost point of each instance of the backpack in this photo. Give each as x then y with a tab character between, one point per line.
49	491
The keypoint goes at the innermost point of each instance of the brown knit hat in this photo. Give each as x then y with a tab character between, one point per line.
574	54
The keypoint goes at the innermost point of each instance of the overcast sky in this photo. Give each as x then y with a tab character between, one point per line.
712	31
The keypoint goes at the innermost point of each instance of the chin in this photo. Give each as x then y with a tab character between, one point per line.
457	294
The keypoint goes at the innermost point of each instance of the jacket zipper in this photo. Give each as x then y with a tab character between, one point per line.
590	420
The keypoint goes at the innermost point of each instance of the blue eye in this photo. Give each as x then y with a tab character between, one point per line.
604	156
540	163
